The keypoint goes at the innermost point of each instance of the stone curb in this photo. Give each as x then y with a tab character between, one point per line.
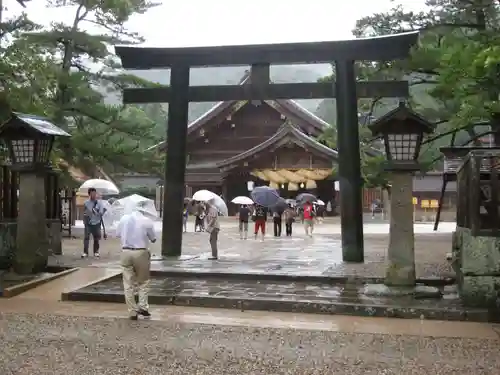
339	308
23	287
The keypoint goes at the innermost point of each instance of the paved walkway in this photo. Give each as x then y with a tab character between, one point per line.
299	255
41	335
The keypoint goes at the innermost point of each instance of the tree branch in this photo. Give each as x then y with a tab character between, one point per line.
453	131
92	117
462	145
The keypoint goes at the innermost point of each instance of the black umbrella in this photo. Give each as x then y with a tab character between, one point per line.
265	196
280	205
306	197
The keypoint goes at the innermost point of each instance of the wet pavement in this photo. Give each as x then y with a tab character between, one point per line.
320	256
348	298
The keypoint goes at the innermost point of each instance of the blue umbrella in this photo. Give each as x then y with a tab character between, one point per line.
265	196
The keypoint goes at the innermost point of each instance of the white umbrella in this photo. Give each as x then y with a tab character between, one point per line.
319	202
242	200
211	198
219	204
203	195
133	201
103	187
127	205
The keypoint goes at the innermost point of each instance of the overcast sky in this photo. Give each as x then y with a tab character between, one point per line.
225	22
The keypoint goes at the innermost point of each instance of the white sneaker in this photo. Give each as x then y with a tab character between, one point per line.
84	255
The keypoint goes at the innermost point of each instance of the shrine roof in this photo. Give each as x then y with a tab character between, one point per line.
287	105
285	134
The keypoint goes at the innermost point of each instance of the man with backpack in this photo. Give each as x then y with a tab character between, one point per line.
260	218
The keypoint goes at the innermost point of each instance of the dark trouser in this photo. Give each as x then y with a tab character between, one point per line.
288	227
214	236
198	222
277	226
95	231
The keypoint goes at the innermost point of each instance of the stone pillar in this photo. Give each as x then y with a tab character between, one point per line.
386	201
54	236
32	241
159	199
401	253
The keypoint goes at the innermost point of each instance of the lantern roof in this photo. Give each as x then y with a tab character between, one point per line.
34	123
398	117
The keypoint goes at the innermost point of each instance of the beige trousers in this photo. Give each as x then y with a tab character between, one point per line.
136	265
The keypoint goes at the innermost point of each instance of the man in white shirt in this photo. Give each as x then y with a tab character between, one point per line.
136	231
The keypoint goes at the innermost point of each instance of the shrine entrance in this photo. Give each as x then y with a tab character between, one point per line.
346	90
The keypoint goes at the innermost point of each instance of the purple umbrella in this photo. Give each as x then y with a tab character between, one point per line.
265	196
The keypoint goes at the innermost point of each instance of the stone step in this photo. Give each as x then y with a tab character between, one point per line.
274	274
343	298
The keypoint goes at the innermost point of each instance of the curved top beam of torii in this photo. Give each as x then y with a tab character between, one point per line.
389	47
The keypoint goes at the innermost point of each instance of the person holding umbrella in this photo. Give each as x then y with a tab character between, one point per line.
244	214
308	215
260	218
93	210
289	219
264	197
278	210
213	227
277	221
215	206
135	231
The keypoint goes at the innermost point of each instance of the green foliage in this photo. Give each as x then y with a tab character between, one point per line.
454	73
457	56
65	73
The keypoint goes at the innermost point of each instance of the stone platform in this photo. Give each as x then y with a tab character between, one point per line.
348	298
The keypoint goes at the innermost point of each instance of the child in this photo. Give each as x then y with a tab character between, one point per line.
185	215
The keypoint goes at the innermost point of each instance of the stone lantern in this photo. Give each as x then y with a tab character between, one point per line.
402	131
29	140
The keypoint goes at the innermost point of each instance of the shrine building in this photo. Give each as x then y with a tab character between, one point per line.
274	142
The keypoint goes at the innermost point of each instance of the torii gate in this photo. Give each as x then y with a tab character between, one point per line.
346	91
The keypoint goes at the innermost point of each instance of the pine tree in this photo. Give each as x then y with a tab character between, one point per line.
85	72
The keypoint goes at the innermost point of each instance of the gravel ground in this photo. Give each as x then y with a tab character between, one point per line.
42	344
